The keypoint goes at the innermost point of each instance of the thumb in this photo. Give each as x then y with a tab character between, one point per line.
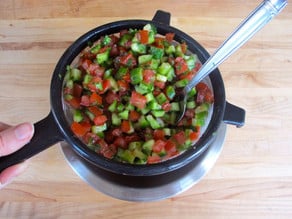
14	138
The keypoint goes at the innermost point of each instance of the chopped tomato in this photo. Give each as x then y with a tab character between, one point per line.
158	134
95	99
194	136
127	77
111	97
114	50
138	100
153	159
109	151
144	36
159	42
158	146
96	70
85	101
90	138
86	63
169	37
80	129
125	126
180	137
148	75
77	90
128	60
106	150
132	138
106	84
180	65
170	147
190	113
117	132
166	107
74	102
100	120
134	115
204	94
121	142
123	85
159	84
95	110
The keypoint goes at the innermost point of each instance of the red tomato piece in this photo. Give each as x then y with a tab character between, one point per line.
169	37
86	63
138	100
77	90
110	151
123	85
121	142
132	138
180	65
134	115
190	113
80	129
106	84
144	36
100	120
148	76
159	84
166	106
114	51
74	102
95	99
128	60
204	94
125	126
90	138
127	77
111	97
107	150
159	42
85	100
153	159
170	147
96	70
116	132
95	110
194	136
180	137
158	134
158	146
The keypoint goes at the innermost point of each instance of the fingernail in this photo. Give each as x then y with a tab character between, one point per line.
23	131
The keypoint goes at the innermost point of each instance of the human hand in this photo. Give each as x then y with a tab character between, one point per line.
12	138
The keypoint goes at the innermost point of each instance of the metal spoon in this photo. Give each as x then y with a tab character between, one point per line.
258	18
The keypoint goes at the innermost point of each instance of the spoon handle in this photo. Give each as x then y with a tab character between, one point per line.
251	25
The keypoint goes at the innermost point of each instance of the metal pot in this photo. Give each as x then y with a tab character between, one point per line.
55	128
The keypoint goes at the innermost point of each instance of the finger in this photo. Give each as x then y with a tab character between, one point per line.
14	138
3	126
7	175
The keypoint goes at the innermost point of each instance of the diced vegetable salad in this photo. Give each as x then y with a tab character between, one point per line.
122	93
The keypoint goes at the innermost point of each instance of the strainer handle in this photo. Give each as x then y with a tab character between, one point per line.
46	134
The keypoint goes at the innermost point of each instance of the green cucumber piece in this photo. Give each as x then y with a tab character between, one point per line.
77	116
136	75
153	122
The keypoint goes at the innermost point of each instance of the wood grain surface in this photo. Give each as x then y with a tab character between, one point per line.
253	176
